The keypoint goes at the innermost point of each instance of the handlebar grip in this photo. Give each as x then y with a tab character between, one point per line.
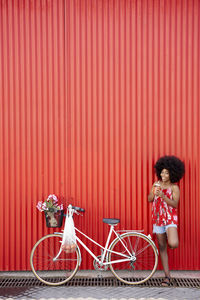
78	208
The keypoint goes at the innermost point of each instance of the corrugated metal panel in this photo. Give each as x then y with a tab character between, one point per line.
92	93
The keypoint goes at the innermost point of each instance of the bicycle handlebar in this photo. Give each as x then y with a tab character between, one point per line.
78	208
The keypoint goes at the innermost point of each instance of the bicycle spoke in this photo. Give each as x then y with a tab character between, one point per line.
136	244
140	266
43	261
131	247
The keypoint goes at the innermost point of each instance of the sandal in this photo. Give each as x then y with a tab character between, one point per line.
166	281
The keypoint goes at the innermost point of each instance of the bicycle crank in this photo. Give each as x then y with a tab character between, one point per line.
98	266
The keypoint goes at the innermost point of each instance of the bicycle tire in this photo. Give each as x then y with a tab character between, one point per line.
134	271
49	271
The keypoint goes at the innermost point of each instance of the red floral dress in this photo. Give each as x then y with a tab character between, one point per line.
162	213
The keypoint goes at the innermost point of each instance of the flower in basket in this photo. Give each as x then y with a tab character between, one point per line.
50	204
53	211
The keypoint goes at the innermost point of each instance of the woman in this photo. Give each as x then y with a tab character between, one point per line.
165	196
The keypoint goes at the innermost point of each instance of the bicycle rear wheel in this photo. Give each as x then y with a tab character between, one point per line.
49	267
141	254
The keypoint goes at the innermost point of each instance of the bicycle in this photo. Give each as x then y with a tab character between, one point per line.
132	256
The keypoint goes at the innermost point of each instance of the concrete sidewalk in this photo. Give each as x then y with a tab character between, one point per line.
97	292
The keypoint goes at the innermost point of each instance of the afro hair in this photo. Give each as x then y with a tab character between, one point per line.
173	164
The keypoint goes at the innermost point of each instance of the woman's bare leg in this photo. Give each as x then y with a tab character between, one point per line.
172	236
162	242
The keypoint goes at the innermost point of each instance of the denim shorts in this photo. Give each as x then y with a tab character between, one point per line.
162	229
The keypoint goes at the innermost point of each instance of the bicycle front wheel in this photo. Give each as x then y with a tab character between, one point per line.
50	264
141	262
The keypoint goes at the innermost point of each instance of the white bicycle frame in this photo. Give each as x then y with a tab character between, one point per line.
106	250
128	257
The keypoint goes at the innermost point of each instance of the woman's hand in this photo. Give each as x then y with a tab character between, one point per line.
161	194
157	191
151	194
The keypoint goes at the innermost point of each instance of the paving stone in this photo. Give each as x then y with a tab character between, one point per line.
93	293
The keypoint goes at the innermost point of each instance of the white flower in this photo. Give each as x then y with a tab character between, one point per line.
51	202
44	206
39	206
55	199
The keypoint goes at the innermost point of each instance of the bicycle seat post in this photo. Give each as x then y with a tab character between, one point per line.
108	240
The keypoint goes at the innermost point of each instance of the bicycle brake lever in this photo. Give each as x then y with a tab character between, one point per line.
77	212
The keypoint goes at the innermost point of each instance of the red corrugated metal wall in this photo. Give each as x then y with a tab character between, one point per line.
92	93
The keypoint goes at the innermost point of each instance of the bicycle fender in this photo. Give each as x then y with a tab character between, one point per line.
79	255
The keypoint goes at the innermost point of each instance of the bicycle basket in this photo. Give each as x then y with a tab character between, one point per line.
54	218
